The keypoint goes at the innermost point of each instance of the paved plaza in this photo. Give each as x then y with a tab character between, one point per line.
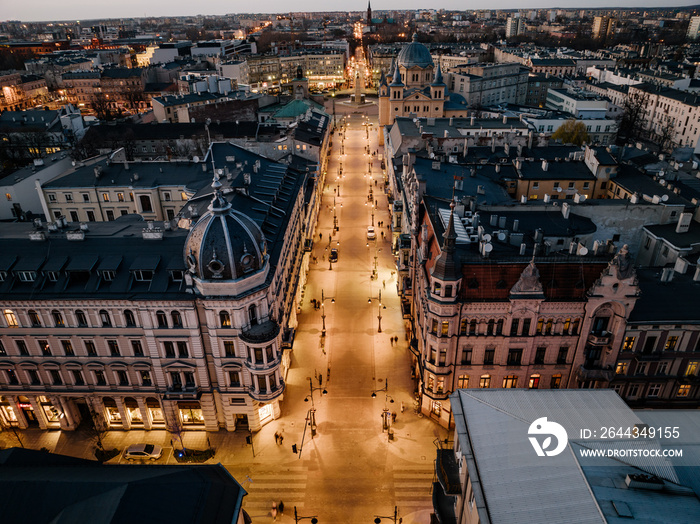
350	471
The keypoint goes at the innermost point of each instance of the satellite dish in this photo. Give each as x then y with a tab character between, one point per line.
501	236
583	251
219	172
559	190
487	238
195	159
664	198
488	248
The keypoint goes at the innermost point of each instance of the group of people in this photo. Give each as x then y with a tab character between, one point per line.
277	507
279	437
394	340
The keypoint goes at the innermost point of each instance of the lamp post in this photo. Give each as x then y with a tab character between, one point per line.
387	398
330	264
378	519
312	411
297	518
323	311
381	306
335	217
373	214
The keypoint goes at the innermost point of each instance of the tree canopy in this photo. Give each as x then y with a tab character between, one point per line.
572	132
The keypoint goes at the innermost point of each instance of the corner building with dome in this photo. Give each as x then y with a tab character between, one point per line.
186	324
414	87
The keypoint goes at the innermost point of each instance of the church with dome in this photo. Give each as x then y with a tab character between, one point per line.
414	87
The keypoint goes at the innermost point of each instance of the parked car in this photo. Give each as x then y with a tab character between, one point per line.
143	451
371	234
334	255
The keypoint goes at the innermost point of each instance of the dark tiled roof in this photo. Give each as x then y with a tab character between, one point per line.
680	240
679	298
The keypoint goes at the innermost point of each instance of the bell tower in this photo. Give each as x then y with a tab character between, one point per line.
369	13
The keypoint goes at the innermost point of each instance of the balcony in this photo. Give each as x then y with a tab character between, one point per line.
447	471
182	393
267	395
595	373
599	339
261	333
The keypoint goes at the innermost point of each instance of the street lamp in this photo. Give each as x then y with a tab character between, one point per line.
323	312
378	519
379	329
297	518
372	214
387	398
312	411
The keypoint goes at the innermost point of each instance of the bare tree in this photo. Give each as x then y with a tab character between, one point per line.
630	126
666	135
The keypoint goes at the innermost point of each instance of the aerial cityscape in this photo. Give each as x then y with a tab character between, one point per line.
408	265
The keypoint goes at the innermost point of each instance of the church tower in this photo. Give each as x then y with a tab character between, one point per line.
369	13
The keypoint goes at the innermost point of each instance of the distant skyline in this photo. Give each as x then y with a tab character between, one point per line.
52	10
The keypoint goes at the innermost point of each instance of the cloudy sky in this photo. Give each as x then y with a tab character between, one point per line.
46	10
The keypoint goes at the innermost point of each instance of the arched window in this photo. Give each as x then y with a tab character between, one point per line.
81	318
34	318
57	318
489	327
224	319
10	318
472	327
499	327
105	319
129	318
177	319
574	327
253	315
548	327
437	287
162	319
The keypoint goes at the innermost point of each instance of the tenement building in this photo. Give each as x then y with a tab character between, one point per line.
497	304
149	325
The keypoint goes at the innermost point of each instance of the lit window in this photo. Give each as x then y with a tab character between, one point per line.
485	381
621	368
534	381
683	390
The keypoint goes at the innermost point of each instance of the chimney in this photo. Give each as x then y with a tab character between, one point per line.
683	223
565	209
539	235
523	247
681	266
545	165
494	220
529	140
523	199
578	198
505	119
516	225
502	222
546	198
471	121
667	274
518	164
498	168
696	276
451	120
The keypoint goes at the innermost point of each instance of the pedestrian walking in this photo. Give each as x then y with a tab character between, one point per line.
393	417
375	183
384	284
277	438
320	236
281	438
391	341
273	512
382	234
402	406
280	507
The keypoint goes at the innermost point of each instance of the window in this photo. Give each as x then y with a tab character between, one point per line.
2	350
514	357
44	347
105	197
472	327
466	357
489	327
445	329
189	379
22	347
224	319
33	377
485	381
649	345
78	377
654	390
122	378
176	318
234	379
540	325
105	319
182	351
169	348
120	197
34	318
574	328
86	197
488	356
433	327
57	318
229	348
68	197
692	369
510	381
162	319
26	276
526	327
555	383
137	348
81	318
683	390
145	201
110	215
11	377
90	348
129	318
11	318
671	343
514	324
561	357
548	327
52	197
463	381
567	327
499	327
90	215
100	378
143	275
56	379
108	276
539	355
68	348
628	344
463	327
145	378
641	368
437	288
113	348
621	368
534	381
662	368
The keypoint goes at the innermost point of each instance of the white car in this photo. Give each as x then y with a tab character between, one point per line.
143	451
371	235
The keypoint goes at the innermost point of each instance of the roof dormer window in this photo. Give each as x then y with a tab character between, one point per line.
143	275
109	275
26	276
52	276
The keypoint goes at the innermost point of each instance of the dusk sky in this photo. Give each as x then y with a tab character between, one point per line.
47	10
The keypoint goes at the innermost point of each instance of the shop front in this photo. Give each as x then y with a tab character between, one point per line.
133	412
8	413
112	413
155	411
190	413
25	405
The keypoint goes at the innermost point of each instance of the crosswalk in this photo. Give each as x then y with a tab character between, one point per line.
288	484
413	486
